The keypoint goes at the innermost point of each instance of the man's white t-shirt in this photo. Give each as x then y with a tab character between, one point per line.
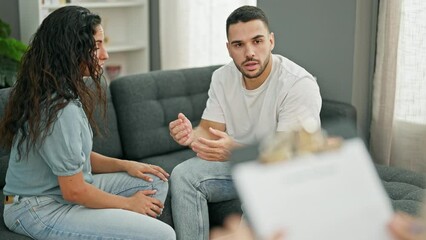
289	96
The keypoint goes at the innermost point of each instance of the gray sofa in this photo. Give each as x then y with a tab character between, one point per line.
141	106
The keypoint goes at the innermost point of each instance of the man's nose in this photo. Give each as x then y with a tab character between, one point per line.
249	51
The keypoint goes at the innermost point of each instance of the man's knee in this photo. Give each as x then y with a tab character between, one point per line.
182	175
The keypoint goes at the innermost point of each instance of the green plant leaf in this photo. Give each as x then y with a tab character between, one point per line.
4	29
12	48
11	51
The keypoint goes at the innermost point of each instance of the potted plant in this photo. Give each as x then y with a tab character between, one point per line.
11	51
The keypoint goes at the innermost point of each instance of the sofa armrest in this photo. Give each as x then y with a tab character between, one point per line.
338	118
333	110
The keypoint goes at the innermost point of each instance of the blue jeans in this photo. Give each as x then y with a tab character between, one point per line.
41	217
193	184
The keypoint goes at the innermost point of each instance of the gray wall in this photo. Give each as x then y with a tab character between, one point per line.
9	13
335	41
154	37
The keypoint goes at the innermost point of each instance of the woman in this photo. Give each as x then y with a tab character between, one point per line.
50	190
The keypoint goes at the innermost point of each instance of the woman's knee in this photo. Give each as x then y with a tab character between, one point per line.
161	187
159	184
167	232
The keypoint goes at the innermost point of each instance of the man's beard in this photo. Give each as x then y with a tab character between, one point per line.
259	72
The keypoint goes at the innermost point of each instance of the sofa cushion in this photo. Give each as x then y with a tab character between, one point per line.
146	103
170	160
4	154
405	188
108	142
4	163
220	210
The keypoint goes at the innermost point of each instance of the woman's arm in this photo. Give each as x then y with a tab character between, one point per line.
74	189
104	164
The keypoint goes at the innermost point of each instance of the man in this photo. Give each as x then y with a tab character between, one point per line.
257	94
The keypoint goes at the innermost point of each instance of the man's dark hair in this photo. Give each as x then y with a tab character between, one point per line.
246	14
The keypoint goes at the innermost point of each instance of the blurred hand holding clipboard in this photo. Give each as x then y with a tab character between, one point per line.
331	191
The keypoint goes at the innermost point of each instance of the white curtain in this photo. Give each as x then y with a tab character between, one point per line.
193	33
398	129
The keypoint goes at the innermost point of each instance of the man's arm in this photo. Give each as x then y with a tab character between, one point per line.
213	143
302	103
209	139
182	132
202	130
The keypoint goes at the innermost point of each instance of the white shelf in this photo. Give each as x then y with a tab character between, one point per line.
113	48
125	22
93	5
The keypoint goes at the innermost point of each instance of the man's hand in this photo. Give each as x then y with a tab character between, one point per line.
181	130
214	150
137	169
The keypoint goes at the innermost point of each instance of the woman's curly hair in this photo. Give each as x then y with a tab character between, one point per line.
51	74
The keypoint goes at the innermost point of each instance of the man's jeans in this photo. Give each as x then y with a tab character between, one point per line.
193	184
44	218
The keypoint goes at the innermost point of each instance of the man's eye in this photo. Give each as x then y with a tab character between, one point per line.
257	41
237	45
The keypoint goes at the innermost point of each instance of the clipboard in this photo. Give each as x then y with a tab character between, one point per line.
328	194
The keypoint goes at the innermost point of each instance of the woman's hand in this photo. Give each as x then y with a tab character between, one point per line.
236	228
137	169
141	202
406	227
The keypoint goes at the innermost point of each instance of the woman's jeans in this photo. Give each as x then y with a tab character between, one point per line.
44	218
193	184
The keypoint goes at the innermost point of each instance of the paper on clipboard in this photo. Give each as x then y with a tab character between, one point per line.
332	195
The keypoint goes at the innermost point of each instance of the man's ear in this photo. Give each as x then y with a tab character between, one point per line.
228	46
272	40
